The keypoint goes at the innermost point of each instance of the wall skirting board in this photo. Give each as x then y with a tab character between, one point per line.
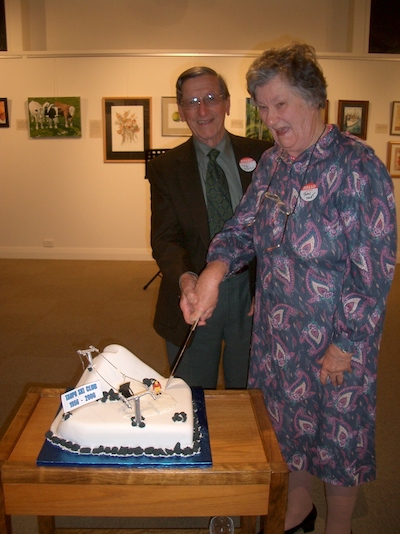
58	253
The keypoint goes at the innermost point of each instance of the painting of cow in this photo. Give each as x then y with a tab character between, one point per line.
67	112
54	117
36	113
51	115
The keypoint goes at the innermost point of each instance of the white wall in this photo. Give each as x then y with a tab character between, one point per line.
184	24
61	190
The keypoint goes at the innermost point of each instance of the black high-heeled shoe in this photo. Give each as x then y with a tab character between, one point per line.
308	524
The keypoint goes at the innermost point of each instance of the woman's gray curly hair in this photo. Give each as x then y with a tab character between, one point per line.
298	64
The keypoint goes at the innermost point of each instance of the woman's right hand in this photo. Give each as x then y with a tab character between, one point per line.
199	300
187	283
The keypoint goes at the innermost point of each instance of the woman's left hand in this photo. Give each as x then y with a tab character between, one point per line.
334	364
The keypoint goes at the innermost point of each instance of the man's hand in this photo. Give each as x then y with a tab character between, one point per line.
199	300
252	306
187	283
334	364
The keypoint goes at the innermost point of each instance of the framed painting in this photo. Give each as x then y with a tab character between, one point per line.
255	128
353	117
325	112
393	159
395	124
58	117
4	122
126	129
172	125
3	32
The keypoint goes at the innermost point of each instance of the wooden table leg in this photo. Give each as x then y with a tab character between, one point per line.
5	520
278	490
248	524
5	523
8	442
46	524
275	520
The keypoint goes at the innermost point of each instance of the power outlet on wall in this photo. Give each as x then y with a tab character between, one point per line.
48	243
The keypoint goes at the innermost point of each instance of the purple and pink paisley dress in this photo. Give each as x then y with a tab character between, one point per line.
323	276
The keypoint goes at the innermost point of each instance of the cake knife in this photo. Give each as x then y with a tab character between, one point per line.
179	357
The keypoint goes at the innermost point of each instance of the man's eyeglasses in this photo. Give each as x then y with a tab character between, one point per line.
280	205
190	104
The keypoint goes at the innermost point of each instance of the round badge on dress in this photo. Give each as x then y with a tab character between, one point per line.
309	192
247	164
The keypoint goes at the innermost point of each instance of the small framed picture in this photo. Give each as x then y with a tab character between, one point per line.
4	122
172	125
353	117
393	159
325	112
58	117
255	128
126	126
395	126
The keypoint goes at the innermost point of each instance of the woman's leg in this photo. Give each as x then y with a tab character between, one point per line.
341	502
299	498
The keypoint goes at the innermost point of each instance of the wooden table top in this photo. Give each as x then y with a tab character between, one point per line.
237	449
246	461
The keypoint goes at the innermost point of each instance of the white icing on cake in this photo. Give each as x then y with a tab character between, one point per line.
98	425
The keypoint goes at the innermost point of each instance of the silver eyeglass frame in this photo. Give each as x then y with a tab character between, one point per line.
191	104
281	207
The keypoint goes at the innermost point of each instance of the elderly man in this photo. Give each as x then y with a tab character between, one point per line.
195	188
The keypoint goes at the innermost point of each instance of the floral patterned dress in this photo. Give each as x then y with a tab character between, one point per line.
325	241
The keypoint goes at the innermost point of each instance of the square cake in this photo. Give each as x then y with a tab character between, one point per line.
139	412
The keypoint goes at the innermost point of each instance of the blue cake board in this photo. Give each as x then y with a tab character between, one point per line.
53	456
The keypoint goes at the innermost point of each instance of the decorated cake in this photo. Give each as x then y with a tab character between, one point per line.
122	407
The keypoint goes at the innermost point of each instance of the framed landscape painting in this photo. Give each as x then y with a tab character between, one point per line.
395	125
126	127
393	159
255	128
353	117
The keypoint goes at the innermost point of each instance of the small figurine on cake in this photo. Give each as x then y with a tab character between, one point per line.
156	387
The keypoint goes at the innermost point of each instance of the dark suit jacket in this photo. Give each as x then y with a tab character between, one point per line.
179	224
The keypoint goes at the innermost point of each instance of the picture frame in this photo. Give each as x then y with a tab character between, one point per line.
4	119
395	123
325	112
171	124
353	117
255	128
126	129
393	159
54	117
3	29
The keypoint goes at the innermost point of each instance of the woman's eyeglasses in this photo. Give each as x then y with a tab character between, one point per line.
281	206
190	104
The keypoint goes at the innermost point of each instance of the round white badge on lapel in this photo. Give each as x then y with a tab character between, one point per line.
247	164
309	192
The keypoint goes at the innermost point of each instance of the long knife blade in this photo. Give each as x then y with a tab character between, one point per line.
179	357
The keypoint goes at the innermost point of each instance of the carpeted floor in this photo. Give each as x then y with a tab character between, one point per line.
50	309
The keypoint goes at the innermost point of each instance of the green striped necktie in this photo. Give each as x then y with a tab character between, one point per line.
219	203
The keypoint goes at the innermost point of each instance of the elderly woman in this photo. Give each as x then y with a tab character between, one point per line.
320	218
